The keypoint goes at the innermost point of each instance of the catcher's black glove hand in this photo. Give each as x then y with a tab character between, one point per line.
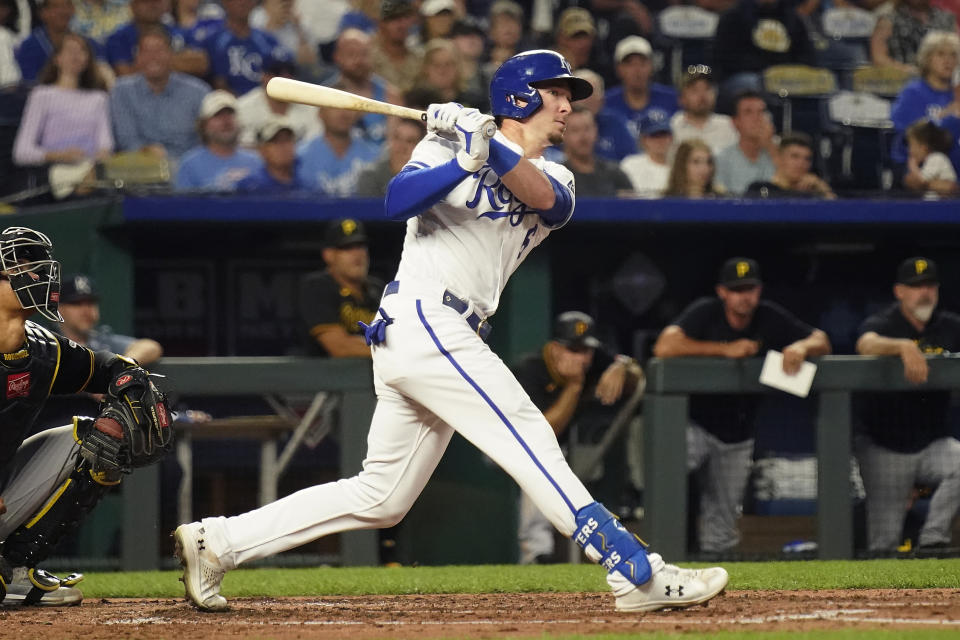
133	428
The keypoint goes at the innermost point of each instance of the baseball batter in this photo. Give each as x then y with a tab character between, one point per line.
475	208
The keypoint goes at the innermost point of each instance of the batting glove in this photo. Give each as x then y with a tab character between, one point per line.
441	118
474	146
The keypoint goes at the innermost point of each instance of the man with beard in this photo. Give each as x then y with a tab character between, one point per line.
906	436
352	56
735	324
698	98
334	300
218	165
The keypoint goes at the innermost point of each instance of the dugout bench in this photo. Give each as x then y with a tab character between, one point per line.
669	385
350	378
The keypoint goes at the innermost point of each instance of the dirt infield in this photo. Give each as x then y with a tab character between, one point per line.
483	616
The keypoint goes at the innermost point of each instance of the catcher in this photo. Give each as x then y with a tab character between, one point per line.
50	481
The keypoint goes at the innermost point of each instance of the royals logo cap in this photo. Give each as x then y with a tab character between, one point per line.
916	271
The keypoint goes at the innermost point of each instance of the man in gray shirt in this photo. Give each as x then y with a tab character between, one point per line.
751	158
155	110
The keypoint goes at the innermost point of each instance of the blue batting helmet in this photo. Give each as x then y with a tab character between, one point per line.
518	76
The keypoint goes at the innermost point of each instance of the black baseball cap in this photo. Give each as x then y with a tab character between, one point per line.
78	288
916	271
344	233
575	329
739	272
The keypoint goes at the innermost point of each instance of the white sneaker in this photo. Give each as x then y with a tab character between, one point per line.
674	588
201	569
38	588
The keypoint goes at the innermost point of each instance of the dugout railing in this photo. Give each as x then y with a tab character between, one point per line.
670	382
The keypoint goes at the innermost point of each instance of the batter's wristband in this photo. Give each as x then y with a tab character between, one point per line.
502	158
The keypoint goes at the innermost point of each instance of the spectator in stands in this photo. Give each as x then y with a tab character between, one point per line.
928	168
792	178
255	108
470	41
156	109
332	162
751	158
613	136
122	43
595	176
898	34
334	300
402	136
34	52
217	165
279	19
573	379
236	50
392	58
505	34
438	17
352	57
698	98
9	68
191	14
906	436
736	324
97	19
754	35
929	96
691	175
442	72
362	15
66	118
80	308
638	96
278	150
574	37
649	171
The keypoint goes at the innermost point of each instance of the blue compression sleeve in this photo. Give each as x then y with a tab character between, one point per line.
562	205
502	158
414	190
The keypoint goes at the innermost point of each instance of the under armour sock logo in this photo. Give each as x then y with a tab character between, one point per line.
679	590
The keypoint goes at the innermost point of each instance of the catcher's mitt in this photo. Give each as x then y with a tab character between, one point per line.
133	428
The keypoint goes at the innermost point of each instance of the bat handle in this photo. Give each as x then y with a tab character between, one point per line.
489	130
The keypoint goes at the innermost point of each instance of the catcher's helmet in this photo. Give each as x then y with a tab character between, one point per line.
27	262
518	76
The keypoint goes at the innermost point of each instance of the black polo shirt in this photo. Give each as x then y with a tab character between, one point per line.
908	421
324	303
544	386
730	417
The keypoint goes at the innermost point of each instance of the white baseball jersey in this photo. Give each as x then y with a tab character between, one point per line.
486	231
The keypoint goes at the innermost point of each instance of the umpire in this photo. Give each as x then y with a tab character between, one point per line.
50	481
905	437
734	324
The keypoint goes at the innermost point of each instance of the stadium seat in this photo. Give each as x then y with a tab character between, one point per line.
687	32
859	125
882	81
848	31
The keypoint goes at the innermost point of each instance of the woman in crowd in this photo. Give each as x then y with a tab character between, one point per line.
932	94
691	175
898	35
66	119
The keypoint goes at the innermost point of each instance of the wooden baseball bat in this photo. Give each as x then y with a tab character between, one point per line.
288	90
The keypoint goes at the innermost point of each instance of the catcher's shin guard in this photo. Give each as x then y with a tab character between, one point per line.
35	539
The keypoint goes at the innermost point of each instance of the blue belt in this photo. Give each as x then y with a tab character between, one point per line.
479	325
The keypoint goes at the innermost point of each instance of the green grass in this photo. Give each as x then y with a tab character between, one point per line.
872	574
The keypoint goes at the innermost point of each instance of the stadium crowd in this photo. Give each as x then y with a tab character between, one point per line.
692	100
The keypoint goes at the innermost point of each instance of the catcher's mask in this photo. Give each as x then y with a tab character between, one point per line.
27	262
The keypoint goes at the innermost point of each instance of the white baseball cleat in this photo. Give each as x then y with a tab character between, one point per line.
201	569
674	588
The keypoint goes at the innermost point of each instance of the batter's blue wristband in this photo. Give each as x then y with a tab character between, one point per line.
502	158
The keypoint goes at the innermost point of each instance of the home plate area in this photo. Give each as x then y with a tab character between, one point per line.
487	615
